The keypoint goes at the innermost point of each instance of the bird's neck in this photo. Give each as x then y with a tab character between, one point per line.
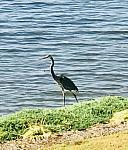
52	65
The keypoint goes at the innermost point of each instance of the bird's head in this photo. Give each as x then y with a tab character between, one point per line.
47	56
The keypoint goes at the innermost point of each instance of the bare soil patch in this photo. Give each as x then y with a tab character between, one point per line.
69	137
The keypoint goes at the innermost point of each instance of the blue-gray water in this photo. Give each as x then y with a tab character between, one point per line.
89	42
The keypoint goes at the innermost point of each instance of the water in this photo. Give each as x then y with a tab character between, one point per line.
89	42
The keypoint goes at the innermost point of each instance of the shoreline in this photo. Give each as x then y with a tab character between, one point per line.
42	128
71	138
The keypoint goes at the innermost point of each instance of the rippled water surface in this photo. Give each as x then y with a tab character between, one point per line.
89	42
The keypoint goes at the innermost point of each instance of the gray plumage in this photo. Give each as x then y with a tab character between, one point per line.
64	82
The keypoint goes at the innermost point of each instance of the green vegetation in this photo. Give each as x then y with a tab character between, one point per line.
76	117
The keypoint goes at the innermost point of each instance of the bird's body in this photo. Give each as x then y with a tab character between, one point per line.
67	83
64	82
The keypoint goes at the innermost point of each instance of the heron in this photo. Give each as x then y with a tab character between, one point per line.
64	82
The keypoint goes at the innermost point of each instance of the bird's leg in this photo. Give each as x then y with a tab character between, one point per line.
63	96
75	96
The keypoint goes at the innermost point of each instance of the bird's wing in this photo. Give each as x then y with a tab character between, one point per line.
67	83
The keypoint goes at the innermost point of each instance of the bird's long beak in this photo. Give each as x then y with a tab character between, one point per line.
44	57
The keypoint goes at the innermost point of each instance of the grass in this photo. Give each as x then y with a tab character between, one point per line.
116	141
76	117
